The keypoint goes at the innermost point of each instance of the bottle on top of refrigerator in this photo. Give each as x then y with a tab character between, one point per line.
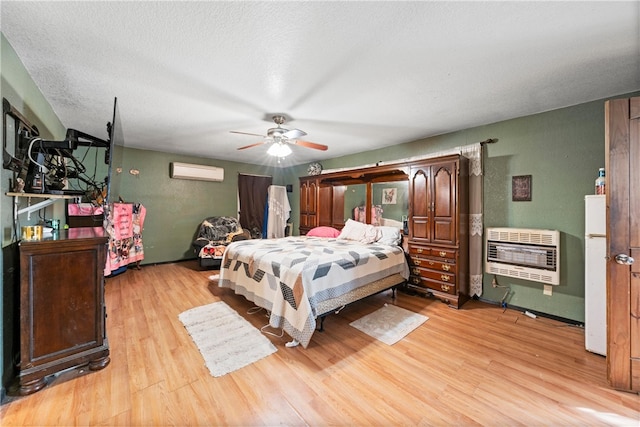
600	184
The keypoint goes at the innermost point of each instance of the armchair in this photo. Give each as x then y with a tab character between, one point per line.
214	234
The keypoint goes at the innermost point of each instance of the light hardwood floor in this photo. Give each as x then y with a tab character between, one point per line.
480	365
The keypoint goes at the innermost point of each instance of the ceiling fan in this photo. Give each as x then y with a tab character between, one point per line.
281	136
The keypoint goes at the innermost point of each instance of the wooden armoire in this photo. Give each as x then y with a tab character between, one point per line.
438	228
437	239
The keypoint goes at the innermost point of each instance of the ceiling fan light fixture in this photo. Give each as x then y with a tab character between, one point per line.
279	139
279	149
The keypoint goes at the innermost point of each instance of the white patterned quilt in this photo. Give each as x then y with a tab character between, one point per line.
291	275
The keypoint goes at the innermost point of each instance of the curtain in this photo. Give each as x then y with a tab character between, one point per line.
474	153
252	194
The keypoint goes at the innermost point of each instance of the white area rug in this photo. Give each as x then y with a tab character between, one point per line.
225	339
389	324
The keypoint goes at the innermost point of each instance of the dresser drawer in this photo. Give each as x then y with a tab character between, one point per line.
433	264
440	276
426	251
420	251
436	285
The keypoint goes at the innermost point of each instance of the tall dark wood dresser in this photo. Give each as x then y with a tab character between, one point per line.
62	310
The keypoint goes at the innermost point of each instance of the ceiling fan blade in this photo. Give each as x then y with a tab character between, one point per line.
294	133
311	145
252	145
247	133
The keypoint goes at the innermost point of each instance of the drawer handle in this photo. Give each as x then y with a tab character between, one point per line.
416	261
444	278
446	267
443	253
416	271
445	288
415	280
419	250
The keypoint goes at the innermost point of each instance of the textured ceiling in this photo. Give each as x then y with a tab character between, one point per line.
353	75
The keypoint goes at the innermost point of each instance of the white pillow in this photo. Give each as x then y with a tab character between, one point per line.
389	235
363	233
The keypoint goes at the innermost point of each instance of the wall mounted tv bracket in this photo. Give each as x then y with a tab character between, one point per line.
18	135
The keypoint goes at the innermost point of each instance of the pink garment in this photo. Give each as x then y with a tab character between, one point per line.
84	209
124	225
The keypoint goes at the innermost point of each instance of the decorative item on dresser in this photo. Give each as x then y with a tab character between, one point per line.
314	169
438	229
62	312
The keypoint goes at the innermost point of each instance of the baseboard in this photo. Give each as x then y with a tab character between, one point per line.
537	313
169	262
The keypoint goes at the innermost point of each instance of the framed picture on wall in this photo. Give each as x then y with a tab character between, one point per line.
521	188
389	196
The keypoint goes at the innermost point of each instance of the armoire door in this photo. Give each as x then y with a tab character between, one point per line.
308	205
443	202
325	205
433	203
420	203
622	136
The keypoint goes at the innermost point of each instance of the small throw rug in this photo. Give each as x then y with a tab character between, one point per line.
389	323
225	339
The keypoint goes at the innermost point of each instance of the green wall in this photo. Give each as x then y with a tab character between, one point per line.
19	89
175	207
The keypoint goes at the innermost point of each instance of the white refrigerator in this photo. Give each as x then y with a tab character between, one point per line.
595	287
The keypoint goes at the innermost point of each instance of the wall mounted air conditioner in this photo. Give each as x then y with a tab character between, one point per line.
196	172
525	253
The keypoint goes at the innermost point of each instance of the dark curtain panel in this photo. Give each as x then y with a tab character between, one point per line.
252	191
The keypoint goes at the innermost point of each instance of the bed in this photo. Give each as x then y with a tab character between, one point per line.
299	279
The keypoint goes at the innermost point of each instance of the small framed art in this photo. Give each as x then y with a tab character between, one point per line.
521	188
389	196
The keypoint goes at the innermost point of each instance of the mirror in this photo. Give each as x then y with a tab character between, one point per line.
390	201
355	200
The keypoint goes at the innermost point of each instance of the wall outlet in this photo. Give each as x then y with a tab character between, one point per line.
548	290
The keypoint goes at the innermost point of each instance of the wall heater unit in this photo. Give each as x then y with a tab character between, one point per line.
525	253
196	172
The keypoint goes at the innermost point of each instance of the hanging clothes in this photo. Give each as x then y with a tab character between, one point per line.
279	211
124	224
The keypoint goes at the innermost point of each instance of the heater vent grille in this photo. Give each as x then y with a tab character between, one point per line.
528	254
